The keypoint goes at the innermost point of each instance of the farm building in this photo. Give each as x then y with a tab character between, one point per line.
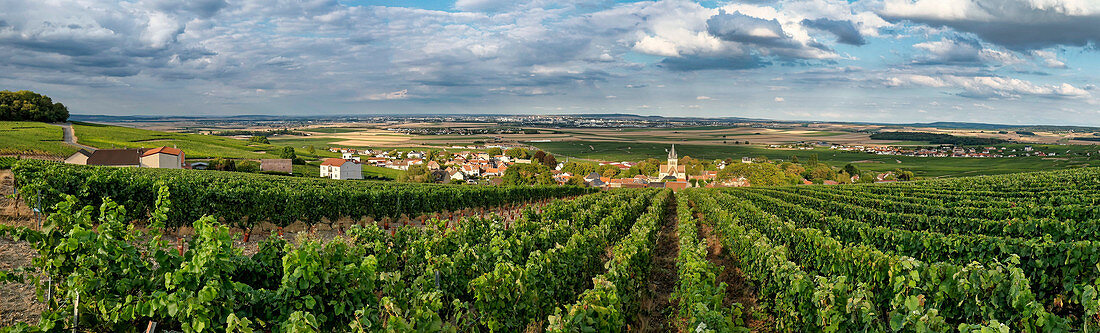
277	165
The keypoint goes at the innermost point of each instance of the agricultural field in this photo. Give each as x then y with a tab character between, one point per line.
922	166
33	138
1014	252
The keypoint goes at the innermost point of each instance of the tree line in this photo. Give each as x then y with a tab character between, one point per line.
26	105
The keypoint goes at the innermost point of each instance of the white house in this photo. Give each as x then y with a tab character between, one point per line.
351	156
457	175
338	168
472	170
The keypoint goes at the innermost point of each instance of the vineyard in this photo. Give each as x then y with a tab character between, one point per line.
1002	253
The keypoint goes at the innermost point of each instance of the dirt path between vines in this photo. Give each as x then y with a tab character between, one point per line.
657	307
18	302
738	288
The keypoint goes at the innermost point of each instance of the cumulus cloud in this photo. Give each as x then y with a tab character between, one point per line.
259	55
988	86
846	32
1016	24
400	94
962	51
1049	59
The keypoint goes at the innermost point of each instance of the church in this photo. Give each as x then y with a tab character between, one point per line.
673	168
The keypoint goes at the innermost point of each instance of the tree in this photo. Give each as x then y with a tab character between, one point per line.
29	106
417	174
610	172
517	153
528	174
813	160
819	172
248	166
578	168
539	156
758	174
794	159
288	153
223	164
311	150
550	161
851	169
903	175
259	139
495	151
692	166
576	180
649	166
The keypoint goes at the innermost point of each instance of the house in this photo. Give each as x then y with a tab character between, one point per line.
433	165
163	157
471	170
830	182
457	175
673	167
338	168
351	156
284	165
746	159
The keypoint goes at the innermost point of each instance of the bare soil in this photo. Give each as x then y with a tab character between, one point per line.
657	307
738	288
18	302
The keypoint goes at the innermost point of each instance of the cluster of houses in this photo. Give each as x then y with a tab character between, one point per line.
472	167
465	166
944	151
670	175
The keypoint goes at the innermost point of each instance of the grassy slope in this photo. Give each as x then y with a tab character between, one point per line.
33	138
196	146
923	166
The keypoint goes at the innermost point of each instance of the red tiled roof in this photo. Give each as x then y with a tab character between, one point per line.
163	150
336	162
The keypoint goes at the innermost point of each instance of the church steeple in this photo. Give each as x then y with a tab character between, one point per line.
672	153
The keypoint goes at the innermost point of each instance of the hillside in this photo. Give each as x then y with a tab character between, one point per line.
33	138
994	253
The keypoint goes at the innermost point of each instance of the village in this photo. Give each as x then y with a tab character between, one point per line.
945	151
489	165
473	167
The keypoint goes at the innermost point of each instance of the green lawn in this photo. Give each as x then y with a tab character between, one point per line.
20	137
370	170
922	166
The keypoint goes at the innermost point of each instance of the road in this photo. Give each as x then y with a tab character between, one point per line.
70	136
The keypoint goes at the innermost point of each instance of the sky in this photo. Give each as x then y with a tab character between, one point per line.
991	61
